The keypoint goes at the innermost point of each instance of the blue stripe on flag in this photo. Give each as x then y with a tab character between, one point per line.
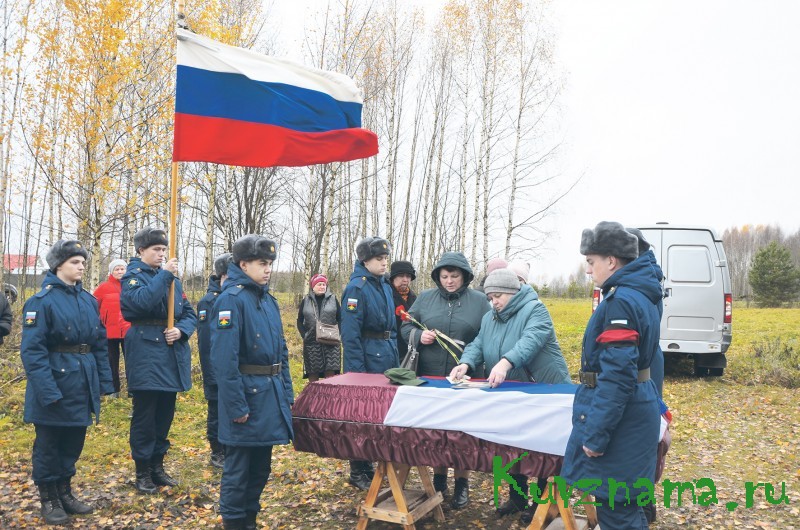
511	386
235	96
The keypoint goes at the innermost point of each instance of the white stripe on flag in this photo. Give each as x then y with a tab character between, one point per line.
538	422
206	54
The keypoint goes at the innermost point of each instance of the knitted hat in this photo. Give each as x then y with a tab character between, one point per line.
370	247
609	239
252	247
221	264
317	278
494	264
116	263
521	269
402	267
62	250
501	281
148	237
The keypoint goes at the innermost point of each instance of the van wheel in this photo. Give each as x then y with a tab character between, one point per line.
700	371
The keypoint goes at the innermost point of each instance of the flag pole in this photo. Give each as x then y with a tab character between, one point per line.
173	211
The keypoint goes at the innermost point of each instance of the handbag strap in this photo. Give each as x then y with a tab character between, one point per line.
412	338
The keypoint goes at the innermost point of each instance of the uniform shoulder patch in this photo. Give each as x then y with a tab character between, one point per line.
352	304
224	320
133	282
202	314
30	319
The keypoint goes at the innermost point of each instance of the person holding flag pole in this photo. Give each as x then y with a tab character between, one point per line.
158	360
237	107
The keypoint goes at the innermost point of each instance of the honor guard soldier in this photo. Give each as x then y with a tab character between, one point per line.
66	364
204	308
251	364
616	414
157	360
368	329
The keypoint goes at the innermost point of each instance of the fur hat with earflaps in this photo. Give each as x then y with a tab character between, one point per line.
62	250
609	239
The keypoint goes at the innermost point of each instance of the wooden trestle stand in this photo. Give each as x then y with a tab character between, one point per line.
554	516
396	504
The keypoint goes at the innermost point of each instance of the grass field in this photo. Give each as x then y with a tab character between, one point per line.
742	427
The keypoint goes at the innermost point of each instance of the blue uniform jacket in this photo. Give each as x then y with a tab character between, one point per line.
150	363
368	306
63	389
619	417
204	308
245	328
657	368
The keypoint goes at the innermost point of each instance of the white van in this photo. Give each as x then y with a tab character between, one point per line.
697	294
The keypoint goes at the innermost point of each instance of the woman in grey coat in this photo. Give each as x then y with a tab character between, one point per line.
456	310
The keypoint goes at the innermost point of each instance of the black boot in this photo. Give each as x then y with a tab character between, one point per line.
68	500
440	483
526	518
250	521
357	476
52	511
233	524
217	454
516	502
157	473
368	470
144	482
650	513
460	494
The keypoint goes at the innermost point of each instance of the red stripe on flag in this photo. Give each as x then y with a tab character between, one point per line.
618	335
241	143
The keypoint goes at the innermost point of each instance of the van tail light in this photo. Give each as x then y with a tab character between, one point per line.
728	308
596	299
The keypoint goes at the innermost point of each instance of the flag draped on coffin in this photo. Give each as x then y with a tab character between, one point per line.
237	107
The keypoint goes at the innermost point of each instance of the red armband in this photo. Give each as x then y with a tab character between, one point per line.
618	335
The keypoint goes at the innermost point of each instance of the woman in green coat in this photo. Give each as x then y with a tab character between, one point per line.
456	310
517	341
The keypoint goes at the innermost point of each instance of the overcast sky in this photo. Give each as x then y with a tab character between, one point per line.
679	111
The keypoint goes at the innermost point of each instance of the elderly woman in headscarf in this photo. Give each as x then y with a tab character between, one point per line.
517	341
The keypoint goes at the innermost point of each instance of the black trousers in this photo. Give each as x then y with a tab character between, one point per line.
153	412
55	451
244	476
212	420
115	346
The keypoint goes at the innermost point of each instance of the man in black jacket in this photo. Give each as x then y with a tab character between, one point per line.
401	274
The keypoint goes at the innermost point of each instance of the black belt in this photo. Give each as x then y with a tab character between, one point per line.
82	349
149	322
380	335
590	378
260	369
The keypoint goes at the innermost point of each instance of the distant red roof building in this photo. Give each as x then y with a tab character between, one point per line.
16	263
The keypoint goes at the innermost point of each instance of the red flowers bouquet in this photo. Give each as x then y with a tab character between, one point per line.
440	337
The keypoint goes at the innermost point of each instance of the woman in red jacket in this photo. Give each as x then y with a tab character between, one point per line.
107	294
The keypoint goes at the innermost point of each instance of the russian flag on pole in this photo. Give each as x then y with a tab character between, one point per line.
237	107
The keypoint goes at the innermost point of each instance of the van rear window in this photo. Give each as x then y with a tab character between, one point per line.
689	264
